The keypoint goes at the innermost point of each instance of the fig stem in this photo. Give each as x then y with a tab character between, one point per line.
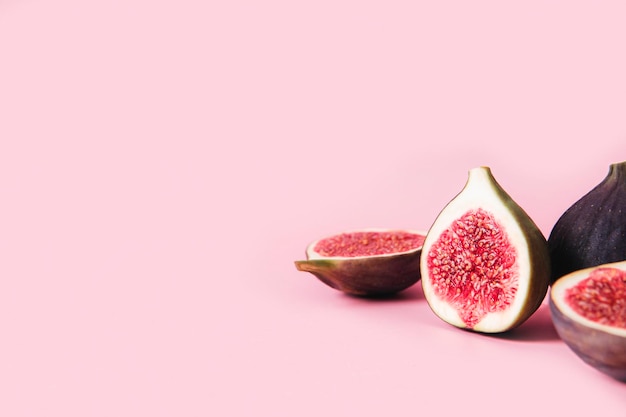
617	169
308	265
303	266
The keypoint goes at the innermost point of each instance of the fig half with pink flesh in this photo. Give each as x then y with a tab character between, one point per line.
370	262
588	309
485	264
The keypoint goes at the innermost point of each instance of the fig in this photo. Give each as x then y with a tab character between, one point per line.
592	231
485	264
588	310
369	262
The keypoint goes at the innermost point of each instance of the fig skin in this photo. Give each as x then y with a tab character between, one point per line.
602	347
593	230
366	276
482	191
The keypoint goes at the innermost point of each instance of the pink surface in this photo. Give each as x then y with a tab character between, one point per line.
162	164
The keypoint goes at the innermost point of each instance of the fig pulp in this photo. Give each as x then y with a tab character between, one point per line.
485	264
589	313
593	230
372	262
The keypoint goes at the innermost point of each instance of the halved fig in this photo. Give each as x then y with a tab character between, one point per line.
588	309
370	262
485	265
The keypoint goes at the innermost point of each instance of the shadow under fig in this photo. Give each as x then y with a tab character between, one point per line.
538	328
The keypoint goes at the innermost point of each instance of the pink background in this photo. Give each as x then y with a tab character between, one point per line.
162	164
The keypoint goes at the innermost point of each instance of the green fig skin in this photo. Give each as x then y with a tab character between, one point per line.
601	347
366	277
593	230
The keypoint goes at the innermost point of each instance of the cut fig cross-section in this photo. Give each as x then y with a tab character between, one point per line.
588	309
485	264
369	262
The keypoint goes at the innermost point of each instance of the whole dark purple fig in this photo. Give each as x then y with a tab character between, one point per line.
593	230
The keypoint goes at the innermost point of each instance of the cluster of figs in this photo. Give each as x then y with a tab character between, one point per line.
485	266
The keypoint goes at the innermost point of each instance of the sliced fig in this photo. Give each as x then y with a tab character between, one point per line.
485	265
588	309
593	230
370	262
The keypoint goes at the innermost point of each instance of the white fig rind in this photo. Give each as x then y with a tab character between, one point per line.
600	346
483	192
369	276
312	254
557	296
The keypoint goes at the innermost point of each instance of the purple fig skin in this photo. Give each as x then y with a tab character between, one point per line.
593	230
370	276
602	346
602	350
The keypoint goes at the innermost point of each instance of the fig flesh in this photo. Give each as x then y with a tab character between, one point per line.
593	230
485	264
589	313
370	262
